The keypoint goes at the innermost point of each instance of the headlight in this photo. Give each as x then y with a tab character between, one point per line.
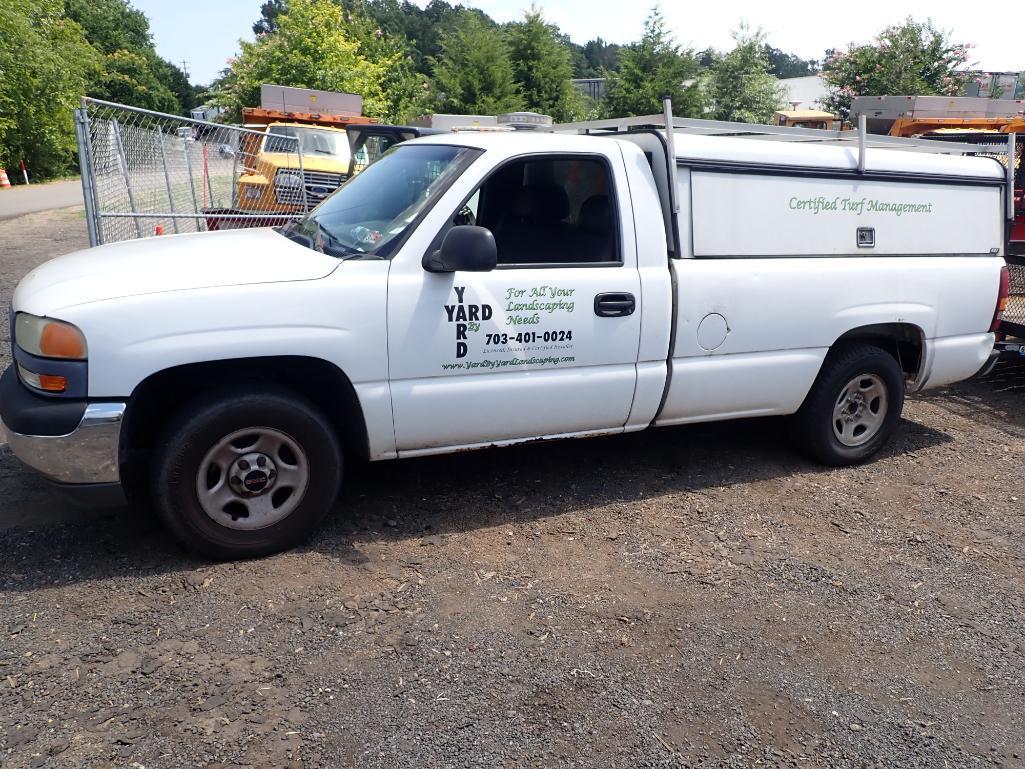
48	338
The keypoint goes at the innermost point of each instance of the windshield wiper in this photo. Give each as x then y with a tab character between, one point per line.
289	231
332	246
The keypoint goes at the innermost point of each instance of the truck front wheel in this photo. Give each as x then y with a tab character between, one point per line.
239	476
853	406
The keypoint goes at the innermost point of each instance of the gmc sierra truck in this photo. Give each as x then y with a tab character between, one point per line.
482	289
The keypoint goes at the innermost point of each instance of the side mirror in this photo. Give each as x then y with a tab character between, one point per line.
466	248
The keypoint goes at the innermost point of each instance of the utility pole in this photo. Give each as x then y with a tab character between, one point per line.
185	68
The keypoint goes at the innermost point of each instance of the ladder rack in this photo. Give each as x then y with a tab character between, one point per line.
768	133
1003	144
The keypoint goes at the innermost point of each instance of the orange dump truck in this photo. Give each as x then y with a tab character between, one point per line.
301	153
808	118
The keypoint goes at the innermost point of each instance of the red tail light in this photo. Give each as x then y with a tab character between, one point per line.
1005	289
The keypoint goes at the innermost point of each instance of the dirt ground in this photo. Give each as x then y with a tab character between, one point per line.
698	597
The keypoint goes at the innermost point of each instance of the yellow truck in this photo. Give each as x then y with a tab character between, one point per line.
299	147
807	118
296	162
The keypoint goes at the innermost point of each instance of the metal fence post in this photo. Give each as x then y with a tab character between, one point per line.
302	173
234	176
167	179
192	181
85	165
123	160
206	174
1012	157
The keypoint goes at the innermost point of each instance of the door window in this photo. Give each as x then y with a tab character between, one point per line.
557	210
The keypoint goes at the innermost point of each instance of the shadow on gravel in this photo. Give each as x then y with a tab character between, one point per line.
997	398
421	498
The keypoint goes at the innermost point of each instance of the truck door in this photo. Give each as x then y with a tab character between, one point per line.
544	345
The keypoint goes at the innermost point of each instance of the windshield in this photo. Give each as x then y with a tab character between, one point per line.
316	142
370	212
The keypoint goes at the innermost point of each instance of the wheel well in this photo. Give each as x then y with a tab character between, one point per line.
904	341
158	397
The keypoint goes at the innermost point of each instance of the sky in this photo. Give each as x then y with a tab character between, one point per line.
204	33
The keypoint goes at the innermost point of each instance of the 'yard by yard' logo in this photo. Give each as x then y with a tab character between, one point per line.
466	317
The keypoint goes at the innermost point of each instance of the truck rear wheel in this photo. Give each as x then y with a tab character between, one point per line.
853	406
240	476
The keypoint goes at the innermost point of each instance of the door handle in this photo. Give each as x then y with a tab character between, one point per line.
614	305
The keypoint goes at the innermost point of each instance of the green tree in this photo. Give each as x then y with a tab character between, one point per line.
129	77
111	25
407	90
45	63
650	69
473	75
740	87
913	59
422	27
600	57
177	83
542	68
784	65
313	47
132	72
268	21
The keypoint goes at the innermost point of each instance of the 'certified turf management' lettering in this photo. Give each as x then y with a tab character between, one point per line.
856	206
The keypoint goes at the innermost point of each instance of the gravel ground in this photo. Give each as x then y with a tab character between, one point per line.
697	597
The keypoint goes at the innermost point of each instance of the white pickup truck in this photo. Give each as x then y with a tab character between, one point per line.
482	289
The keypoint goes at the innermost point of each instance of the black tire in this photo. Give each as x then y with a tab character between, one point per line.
814	423
203	425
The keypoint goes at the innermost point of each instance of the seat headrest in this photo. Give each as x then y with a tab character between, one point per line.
543	202
595	214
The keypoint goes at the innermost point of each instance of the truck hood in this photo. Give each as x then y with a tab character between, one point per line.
324	163
168	263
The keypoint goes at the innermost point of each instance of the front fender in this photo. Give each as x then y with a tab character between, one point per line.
340	318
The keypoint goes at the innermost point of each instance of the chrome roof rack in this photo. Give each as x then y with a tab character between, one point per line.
764	132
1003	144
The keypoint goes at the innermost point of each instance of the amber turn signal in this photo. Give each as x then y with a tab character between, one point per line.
52	383
59	340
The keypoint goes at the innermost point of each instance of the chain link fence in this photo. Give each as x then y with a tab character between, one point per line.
1014	314
147	173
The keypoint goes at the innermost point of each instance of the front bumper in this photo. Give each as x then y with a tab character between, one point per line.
48	435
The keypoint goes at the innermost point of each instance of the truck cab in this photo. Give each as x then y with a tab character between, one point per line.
276	178
482	289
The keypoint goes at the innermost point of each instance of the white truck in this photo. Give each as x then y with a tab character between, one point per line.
483	289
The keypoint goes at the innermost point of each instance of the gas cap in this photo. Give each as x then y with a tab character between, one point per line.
712	331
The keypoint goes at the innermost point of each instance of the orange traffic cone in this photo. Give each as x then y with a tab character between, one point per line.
158	230
4	181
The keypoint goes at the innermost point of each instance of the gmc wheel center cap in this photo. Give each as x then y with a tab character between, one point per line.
255	481
252	474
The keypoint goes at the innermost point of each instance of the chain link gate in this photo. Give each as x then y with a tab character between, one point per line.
149	173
